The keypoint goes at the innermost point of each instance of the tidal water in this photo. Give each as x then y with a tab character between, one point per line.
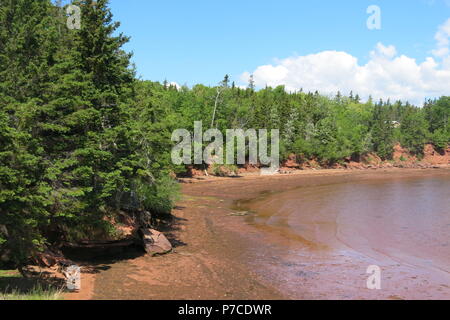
320	240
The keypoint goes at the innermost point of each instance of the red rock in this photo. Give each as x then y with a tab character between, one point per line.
155	242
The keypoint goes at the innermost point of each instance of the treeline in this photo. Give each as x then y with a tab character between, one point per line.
312	126
82	139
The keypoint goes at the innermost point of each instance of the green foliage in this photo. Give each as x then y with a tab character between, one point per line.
81	137
440	138
159	197
382	131
69	128
437	114
414	131
311	125
224	170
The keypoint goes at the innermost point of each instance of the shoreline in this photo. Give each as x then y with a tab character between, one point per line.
212	247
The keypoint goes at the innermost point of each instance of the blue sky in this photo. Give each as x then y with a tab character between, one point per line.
200	41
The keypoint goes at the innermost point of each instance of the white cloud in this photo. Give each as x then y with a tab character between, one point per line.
443	40
385	75
388	52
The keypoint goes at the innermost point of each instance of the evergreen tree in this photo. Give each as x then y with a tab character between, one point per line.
382	132
27	37
414	131
251	83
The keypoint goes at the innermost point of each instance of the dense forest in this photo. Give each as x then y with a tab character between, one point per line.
81	137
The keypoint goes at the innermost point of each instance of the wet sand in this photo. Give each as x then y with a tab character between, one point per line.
223	253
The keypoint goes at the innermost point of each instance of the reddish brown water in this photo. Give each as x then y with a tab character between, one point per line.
323	238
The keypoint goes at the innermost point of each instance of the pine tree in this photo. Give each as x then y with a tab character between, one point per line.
66	157
251	83
382	131
226	81
27	35
90	157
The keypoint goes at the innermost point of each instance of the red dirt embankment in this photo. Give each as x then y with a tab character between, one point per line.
401	158
434	157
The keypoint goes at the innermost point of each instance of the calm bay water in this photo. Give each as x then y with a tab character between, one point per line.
326	236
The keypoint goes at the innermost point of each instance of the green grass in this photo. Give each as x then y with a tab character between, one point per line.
14	287
9	273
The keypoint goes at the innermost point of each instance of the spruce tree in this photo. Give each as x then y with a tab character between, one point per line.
27	48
